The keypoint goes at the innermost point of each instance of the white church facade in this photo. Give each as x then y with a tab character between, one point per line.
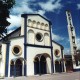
30	50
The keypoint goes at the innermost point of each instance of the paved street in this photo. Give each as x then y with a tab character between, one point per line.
61	76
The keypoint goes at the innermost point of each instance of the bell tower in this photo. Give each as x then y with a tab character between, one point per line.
72	37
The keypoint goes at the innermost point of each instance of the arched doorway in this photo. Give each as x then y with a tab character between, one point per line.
18	67
43	64
36	66
40	64
58	66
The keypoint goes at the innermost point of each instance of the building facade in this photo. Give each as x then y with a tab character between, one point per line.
30	50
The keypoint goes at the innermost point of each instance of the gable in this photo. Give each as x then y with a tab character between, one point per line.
35	21
38	18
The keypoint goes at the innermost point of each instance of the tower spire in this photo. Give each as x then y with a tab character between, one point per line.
72	37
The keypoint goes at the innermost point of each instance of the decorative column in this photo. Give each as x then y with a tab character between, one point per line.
39	67
14	70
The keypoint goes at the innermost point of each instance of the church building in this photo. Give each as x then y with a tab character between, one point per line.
30	50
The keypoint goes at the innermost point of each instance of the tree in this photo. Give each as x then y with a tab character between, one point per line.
5	6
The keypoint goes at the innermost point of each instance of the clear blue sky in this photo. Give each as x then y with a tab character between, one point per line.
54	10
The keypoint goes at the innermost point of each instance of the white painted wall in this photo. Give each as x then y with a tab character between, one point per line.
2	68
32	40
36	18
56	46
32	52
22	26
15	41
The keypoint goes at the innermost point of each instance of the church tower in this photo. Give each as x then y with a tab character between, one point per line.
72	38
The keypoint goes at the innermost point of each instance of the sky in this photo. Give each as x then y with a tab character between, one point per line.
53	10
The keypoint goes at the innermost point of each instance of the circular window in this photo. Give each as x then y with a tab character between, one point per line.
16	50
57	53
39	37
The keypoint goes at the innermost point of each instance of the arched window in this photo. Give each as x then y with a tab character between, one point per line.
46	39
29	22
17	50
31	37
57	53
46	27
42	26
38	25
34	23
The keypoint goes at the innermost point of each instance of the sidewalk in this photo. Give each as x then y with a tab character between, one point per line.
54	76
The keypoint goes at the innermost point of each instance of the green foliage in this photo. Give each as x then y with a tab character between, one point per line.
10	3
5	6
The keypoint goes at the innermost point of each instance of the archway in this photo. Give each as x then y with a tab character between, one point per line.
40	64
36	66
12	68
58	66
31	36
43	65
18	67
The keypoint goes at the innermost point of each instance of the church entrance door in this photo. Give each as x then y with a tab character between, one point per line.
36	65
40	65
43	65
18	67
58	67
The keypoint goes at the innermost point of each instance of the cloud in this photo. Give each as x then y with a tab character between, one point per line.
51	5
30	6
23	8
41	12
15	21
57	37
10	31
78	6
67	51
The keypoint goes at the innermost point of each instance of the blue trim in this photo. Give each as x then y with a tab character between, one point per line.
40	46
7	59
25	41
52	64
24	15
75	70
62	58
